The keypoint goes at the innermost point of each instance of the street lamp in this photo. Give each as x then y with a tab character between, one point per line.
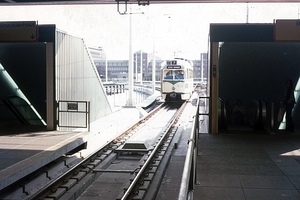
130	66
154	61
153	65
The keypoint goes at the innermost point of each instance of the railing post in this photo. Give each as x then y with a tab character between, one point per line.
272	118
89	115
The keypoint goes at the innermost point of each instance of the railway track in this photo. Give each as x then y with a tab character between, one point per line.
131	170
139	186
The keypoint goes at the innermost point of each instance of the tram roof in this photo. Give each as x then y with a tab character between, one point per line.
181	63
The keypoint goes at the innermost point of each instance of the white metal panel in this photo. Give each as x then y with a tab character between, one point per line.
77	78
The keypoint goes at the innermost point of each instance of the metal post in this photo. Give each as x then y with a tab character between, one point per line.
213	88
106	72
130	64
202	70
130	68
141	69
272	118
89	115
136	71
153	65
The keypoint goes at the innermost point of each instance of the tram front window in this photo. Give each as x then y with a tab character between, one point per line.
179	74
168	74
173	74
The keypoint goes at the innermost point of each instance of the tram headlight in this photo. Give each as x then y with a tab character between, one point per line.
173	88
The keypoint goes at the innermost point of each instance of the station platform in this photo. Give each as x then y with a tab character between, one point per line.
21	154
24	149
248	165
239	164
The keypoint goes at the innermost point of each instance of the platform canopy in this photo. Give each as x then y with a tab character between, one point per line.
140	2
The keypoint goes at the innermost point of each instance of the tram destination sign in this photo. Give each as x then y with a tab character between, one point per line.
18	31
173	66
171	62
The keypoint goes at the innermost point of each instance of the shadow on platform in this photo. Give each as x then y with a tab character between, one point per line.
242	129
7	129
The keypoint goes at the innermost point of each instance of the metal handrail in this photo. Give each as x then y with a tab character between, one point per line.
187	181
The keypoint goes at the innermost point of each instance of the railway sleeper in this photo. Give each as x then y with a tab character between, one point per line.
107	152
138	195
158	157
152	169
136	192
142	187
164	148
57	194
115	171
79	176
155	163
102	156
86	170
80	186
69	184
38	182
148	176
95	162
145	185
117	145
161	152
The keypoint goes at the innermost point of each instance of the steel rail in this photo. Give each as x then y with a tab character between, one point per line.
89	157
152	154
139	121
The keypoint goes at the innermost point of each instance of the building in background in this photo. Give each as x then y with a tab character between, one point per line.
117	70
97	53
201	68
140	62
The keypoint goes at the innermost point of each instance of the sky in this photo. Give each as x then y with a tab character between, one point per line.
169	30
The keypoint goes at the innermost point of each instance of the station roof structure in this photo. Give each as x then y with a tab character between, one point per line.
140	2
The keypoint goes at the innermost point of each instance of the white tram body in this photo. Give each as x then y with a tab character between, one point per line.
176	80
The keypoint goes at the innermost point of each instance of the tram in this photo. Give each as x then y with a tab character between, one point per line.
176	80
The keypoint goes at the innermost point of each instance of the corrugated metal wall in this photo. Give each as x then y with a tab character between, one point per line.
77	79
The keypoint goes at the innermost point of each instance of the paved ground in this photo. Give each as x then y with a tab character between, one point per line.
248	166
